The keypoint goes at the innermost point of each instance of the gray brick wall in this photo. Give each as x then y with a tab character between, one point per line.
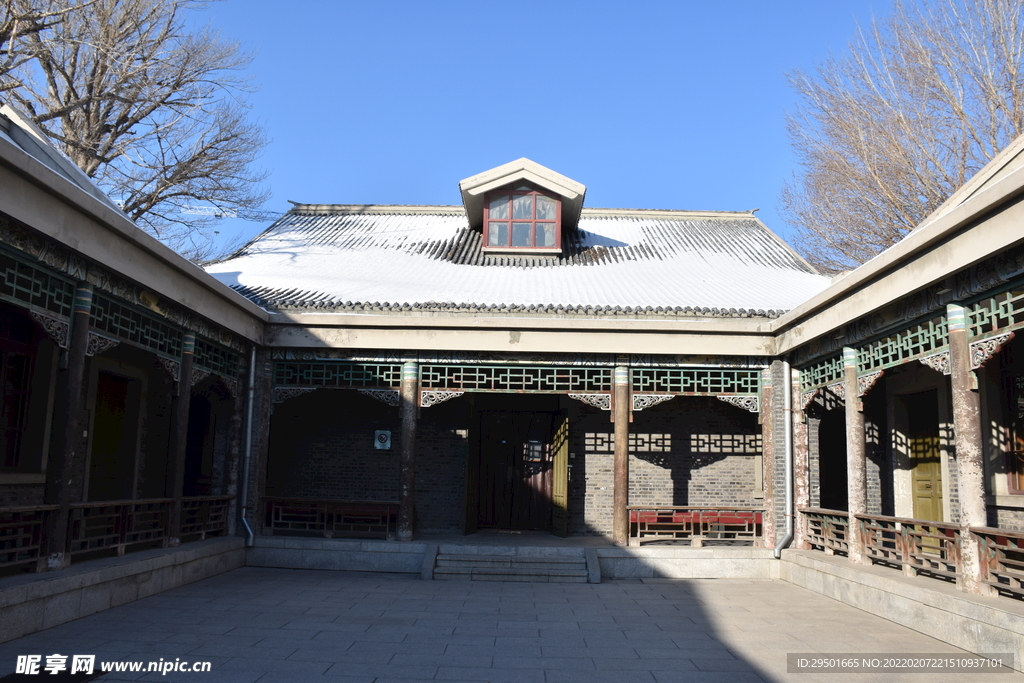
687	451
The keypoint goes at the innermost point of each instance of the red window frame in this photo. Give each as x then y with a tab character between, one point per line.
511	193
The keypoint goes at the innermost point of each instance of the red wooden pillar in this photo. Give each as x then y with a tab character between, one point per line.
620	498
409	406
66	467
179	438
969	463
856	455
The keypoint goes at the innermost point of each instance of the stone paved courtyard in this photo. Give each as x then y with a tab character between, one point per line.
281	625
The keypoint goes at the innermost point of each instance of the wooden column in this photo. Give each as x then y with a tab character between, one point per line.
409	406
66	468
620	500
179	438
969	463
856	454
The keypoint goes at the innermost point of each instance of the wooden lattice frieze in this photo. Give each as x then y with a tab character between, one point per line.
600	401
338	374
821	374
516	378
25	284
389	396
1002	312
216	358
136	326
697	381
906	345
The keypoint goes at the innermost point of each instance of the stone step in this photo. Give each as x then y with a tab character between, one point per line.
547	575
524	562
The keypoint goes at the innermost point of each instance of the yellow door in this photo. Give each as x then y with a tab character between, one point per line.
925	457
560	478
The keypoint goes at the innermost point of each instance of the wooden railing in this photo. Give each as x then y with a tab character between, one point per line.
332	518
914	545
827	530
696	524
1002	559
23	534
107	525
924	547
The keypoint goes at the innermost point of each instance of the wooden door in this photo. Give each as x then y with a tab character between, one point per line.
560	478
925	456
515	475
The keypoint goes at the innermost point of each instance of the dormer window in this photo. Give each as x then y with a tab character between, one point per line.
520	217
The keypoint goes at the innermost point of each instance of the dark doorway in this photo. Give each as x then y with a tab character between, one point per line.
516	470
833	492
114	434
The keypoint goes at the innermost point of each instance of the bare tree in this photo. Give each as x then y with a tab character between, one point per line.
885	133
154	113
20	19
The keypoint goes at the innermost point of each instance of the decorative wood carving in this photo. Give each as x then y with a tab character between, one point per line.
432	398
282	394
172	367
98	344
641	401
838	389
56	329
983	350
198	375
389	396
939	362
865	382
601	401
751	403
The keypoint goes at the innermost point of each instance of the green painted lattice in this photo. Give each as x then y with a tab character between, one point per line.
327	374
135	326
915	342
216	358
821	374
22	283
1002	312
696	381
516	378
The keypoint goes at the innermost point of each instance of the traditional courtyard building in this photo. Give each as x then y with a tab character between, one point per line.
519	361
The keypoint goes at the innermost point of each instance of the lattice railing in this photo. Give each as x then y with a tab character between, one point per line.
204	515
331	518
915	545
698	525
26	284
697	381
117	524
337	374
22	534
1001	312
135	326
821	374
1002	553
828	530
516	378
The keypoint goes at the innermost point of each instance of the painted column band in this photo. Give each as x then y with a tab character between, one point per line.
188	344
956	317
83	299
410	371
849	357
621	375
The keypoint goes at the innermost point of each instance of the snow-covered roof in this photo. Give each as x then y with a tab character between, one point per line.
324	257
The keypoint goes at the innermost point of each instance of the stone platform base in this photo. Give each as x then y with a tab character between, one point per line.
33	602
983	625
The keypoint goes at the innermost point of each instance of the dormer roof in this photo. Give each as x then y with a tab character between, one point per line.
475	187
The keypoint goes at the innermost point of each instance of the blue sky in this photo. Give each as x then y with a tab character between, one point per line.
666	105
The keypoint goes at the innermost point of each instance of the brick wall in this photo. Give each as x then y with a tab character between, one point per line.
321	446
687	451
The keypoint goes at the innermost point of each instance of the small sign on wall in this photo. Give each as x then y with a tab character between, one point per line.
382	439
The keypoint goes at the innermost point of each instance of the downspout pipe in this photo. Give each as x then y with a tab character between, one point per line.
787	448
250	537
